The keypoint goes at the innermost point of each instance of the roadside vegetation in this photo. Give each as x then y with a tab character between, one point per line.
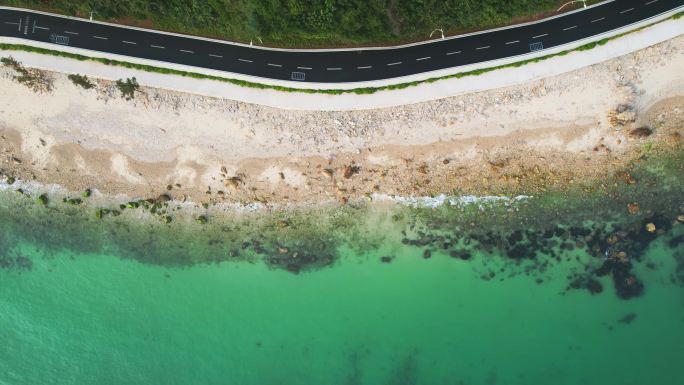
81	81
37	80
127	87
306	23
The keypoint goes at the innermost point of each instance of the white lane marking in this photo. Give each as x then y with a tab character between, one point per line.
245	60
37	26
186	51
333	68
364	67
212	55
156	46
453	53
513	42
275	65
19	24
305	68
599	19
650	2
423	58
542	35
394	64
69	32
627	10
569	28
128	42
485	47
100	37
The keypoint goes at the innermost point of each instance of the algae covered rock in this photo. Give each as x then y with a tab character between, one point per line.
43	199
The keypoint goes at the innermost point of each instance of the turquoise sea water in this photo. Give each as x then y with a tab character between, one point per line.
99	319
563	288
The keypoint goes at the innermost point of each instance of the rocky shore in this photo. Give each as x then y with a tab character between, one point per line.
517	140
582	170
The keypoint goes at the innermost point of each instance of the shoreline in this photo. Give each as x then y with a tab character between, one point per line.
609	226
517	140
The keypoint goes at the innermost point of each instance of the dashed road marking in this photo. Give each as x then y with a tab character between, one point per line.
305	68
599	19
626	10
650	2
334	68
245	60
453	53
212	55
485	47
513	42
569	28
363	67
128	42
67	32
275	65
394	64
542	35
156	46
423	58
100	37
186	51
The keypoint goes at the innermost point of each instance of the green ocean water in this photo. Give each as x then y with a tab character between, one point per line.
99	319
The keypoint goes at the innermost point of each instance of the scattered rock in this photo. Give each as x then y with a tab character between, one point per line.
427	254
328	173
43	199
633	208
640	132
625	117
349	171
650	227
386	259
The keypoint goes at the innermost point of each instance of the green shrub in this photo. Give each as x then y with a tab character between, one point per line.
34	79
128	87
81	81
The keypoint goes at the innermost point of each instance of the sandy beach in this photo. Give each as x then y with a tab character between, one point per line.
521	139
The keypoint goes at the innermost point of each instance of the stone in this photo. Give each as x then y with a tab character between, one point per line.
633	208
640	132
625	117
43	199
650	227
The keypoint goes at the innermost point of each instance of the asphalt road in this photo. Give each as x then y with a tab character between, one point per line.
330	66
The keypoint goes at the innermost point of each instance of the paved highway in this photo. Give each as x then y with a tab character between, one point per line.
329	66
